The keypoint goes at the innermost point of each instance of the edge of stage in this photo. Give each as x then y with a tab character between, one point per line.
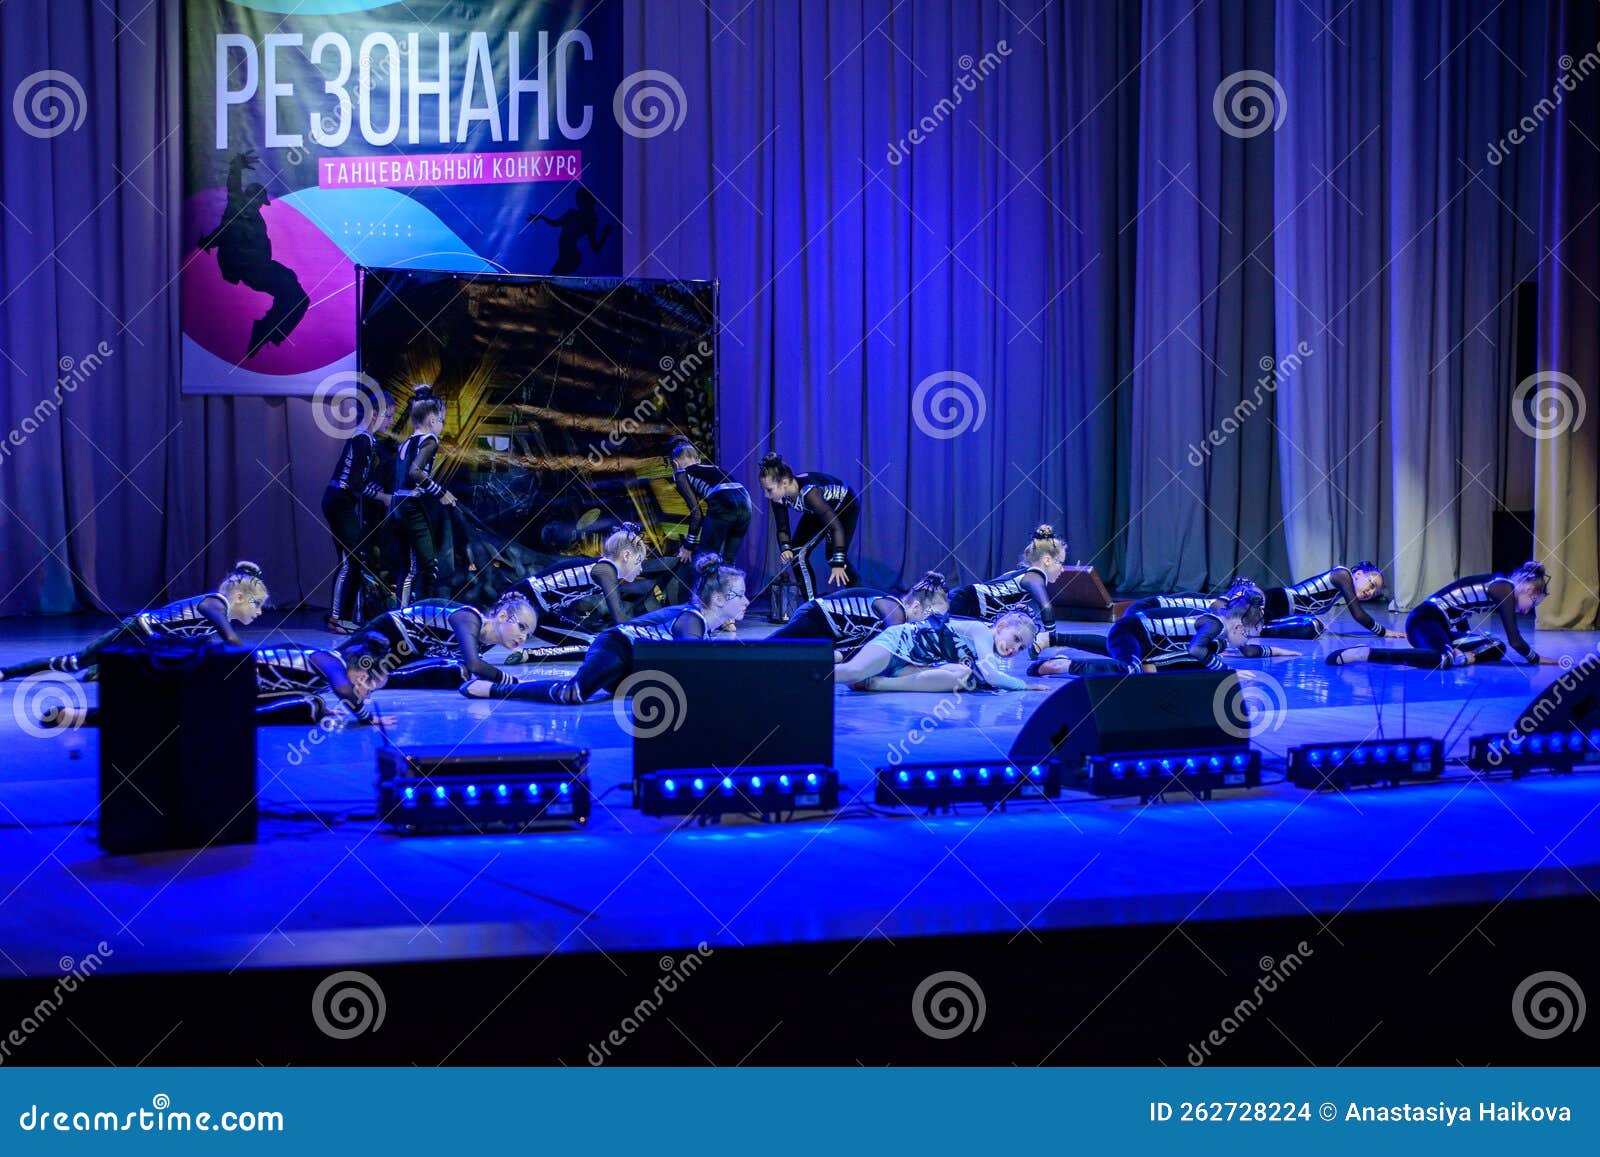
848	905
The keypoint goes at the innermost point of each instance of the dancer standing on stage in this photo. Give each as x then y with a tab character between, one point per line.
851	617
1147	642
721	527
942	654
1026	588
417	497
355	484
827	509
719	598
1440	627
579	597
238	599
439	644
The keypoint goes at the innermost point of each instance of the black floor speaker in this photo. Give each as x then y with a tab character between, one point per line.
177	747
1106	714
1572	702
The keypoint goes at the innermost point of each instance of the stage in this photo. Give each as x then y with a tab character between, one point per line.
1423	878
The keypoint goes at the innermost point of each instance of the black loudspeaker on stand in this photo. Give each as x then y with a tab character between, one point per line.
1572	702
177	746
1111	714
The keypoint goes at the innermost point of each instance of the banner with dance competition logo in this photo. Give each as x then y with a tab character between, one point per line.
427	134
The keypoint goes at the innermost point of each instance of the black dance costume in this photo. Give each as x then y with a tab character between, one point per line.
352	488
1173	640
1024	589
827	507
576	599
1292	611
1442	623
610	657
720	530
434	644
849	618
198	617
415	510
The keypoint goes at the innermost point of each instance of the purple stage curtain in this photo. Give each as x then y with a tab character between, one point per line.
1075	234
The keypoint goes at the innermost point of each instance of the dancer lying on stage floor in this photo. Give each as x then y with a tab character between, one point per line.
1146	642
577	598
1026	588
852	616
1291	612
417	497
436	644
720	528
355	485
719	598
1440	627
238	599
827	509
290	682
942	654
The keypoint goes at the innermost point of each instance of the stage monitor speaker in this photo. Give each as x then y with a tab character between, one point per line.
177	746
1079	594
1108	714
731	705
1571	703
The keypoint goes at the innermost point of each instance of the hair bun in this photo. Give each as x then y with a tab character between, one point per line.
632	528
245	567
422	391
934	578
707	563
1044	532
769	461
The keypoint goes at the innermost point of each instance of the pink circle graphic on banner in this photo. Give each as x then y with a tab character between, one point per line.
223	314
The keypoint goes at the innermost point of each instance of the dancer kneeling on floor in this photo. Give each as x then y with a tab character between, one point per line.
436	644
719	598
1026	588
1146	642
1440	627
853	616
578	597
238	599
942	654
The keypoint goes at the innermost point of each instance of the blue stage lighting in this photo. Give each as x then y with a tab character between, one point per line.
461	781
1364	763
1148	774
940	785
762	791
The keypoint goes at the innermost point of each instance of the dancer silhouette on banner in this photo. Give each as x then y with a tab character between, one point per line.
244	254
575	224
